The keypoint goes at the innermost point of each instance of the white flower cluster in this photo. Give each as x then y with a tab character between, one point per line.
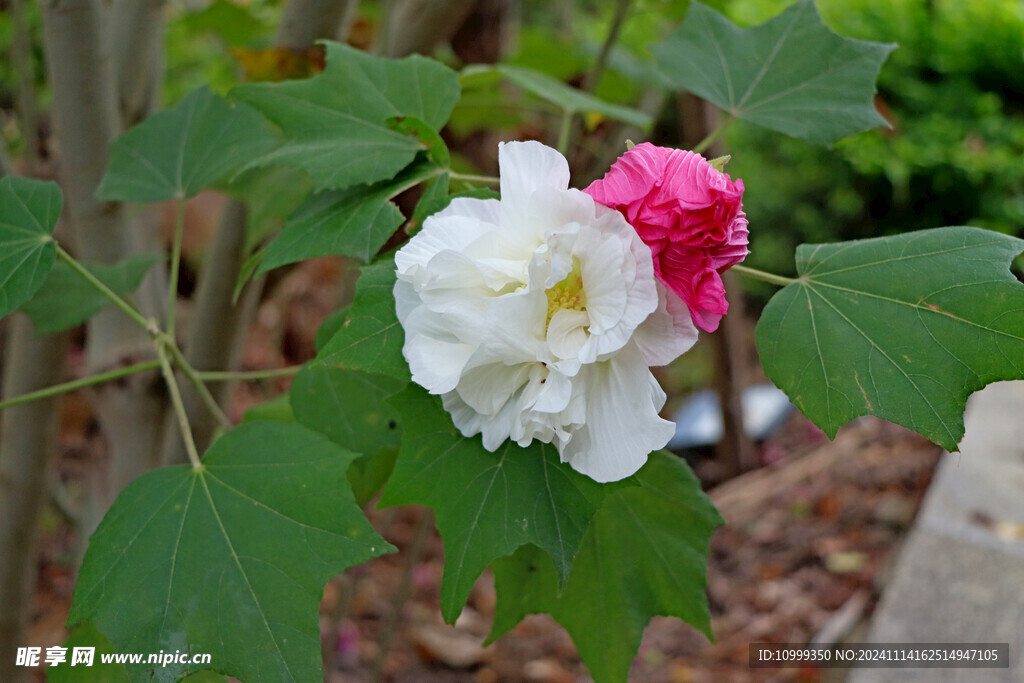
538	316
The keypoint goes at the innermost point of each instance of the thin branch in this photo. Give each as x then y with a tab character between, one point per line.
470	178
565	131
713	135
172	294
772	278
593	77
248	375
74	385
179	407
126	307
193	376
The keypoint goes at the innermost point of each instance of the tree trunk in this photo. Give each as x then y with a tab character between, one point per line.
417	26
26	439
306	21
85	121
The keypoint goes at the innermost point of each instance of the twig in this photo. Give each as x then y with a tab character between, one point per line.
772	278
713	135
593	77
126	307
423	528
172	287
179	406
80	383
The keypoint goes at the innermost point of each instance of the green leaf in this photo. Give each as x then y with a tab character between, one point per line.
347	406
336	123
644	554
238	26
486	504
371	338
437	151
355	222
569	98
86	636
66	300
270	195
277	409
789	74
28	214
903	327
180	151
229	559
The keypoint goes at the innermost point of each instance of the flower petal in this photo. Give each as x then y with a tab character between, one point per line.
524	168
622	425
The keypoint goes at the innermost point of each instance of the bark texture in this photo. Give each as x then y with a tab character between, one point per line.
26	438
417	26
85	120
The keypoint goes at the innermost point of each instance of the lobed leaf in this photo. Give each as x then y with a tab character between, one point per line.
65	300
229	559
336	123
348	407
644	554
28	214
790	74
569	98
371	337
486	504
354	222
903	327
185	149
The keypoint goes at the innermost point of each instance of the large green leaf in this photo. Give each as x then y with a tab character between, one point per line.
66	300
180	151
568	98
371	337
28	214
336	124
348	407
229	559
354	222
790	74
564	96
904	327
486	504
644	554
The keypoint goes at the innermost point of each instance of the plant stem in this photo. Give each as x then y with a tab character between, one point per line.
179	406
193	376
244	376
424	525
713	135
772	278
172	293
565	131
126	307
593	77
469	177
73	385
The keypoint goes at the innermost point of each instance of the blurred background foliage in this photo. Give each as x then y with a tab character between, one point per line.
953	92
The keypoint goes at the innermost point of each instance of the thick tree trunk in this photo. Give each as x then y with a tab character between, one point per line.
306	21
85	121
417	26
26	438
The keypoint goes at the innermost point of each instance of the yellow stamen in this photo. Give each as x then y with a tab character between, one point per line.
567	294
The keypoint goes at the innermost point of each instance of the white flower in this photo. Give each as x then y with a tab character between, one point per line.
538	316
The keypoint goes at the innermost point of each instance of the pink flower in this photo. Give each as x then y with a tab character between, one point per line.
688	213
